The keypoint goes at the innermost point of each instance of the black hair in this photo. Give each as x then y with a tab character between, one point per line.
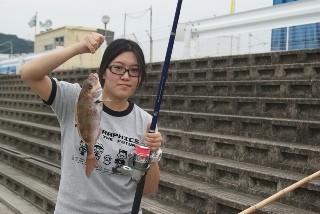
118	47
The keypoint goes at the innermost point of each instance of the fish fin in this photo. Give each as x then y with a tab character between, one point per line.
91	163
75	112
99	134
97	95
77	120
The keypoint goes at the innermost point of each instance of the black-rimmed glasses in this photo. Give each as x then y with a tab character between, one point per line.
120	70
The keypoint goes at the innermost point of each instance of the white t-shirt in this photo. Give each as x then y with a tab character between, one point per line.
107	191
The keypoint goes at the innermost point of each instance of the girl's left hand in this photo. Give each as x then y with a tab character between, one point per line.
153	140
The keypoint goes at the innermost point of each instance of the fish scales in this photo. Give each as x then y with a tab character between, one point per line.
88	116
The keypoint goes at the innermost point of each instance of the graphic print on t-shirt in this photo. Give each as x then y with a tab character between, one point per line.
83	148
107	159
112	150
98	150
121	158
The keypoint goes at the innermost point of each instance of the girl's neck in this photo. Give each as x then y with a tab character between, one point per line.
117	105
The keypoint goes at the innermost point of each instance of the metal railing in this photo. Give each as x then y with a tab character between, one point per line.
287	26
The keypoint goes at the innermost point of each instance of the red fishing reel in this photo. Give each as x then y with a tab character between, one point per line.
141	157
139	162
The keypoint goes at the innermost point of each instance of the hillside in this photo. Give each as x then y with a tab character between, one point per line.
18	45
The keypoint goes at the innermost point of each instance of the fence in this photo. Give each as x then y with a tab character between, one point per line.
289	26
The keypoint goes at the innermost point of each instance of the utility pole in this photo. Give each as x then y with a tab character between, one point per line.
151	40
232	8
150	37
35	26
124	28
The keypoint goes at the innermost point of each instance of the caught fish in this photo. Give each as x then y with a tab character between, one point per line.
88	116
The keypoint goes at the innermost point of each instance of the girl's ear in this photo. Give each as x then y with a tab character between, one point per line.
139	83
104	76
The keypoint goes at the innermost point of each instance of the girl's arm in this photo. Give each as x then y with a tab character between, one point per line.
34	73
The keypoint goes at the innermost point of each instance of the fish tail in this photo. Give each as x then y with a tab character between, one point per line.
91	163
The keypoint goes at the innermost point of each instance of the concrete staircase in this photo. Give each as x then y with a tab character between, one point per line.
238	129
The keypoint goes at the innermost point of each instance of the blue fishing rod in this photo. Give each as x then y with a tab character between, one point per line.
165	68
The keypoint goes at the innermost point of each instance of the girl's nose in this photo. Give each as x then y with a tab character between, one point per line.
125	75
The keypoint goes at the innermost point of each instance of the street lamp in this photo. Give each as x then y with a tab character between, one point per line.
105	20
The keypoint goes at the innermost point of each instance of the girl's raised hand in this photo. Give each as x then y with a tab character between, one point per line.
91	43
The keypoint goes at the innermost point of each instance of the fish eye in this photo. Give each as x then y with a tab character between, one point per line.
90	86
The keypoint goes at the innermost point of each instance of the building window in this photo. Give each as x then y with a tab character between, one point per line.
59	41
295	37
48	47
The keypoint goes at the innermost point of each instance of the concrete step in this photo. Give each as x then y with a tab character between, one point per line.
152	206
40	131
277	129
31	189
15	88
25	95
191	72
11	79
34	105
31	145
5	209
291	108
300	158
255	88
15	80
46	171
270	58
242	177
46	118
201	197
11	203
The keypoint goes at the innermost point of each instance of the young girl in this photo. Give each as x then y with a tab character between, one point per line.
123	125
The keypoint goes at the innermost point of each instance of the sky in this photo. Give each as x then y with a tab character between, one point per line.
15	14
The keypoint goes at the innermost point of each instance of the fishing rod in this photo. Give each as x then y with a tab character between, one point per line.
281	193
165	68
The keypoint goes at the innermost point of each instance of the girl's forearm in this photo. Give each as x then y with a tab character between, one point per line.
152	179
43	65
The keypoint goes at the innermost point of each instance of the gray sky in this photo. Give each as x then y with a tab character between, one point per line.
15	14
